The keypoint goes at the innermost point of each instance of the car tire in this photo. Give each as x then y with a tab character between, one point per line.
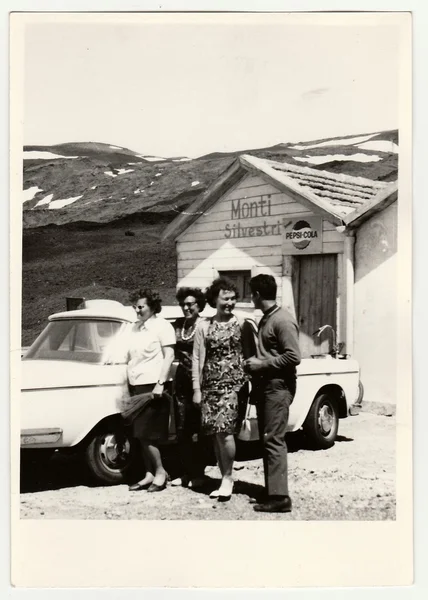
106	463
322	423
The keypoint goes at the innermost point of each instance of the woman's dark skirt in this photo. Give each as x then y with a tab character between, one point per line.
151	422
187	415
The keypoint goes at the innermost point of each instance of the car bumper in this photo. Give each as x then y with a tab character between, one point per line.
34	437
354	410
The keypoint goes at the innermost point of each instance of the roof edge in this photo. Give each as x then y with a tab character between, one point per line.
285	184
232	175
381	201
245	163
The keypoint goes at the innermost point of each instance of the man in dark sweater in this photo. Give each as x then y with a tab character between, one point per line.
274	384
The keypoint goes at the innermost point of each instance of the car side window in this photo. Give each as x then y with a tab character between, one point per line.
82	340
79	338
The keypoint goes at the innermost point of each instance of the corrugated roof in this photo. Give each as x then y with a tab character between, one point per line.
343	193
335	196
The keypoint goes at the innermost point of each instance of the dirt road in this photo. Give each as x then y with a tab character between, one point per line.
353	480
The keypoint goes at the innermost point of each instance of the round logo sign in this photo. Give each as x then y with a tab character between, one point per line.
302	235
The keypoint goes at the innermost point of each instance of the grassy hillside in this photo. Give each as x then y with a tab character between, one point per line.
93	263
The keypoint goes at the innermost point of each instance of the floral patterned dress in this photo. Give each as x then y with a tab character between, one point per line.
223	377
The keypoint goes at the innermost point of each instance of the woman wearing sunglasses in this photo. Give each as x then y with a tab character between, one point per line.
187	415
150	356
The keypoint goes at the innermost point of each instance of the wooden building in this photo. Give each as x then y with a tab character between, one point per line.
325	237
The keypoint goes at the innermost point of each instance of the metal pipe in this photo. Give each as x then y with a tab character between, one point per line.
334	348
349	245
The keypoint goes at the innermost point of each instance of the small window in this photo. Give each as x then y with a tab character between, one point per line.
242	281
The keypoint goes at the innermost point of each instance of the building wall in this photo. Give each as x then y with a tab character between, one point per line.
221	240
244	231
375	305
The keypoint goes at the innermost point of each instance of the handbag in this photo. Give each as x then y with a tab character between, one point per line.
249	431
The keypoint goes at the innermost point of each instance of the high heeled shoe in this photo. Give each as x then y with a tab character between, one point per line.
222	498
138	487
215	493
180	482
158	488
225	497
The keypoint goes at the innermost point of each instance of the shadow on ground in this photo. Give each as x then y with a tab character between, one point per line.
40	474
55	473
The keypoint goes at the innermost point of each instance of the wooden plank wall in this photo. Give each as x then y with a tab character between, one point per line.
203	247
317	301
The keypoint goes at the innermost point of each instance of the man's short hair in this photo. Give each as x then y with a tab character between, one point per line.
265	285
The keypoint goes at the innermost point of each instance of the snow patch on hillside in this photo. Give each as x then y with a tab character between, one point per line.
150	158
119	172
30	192
45	200
65	202
335	142
380	146
195	183
319	160
180	159
35	154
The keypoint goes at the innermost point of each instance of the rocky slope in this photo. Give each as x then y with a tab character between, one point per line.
84	184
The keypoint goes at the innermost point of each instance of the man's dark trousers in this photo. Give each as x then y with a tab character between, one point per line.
274	397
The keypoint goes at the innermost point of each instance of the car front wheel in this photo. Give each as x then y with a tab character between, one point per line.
322	423
110	456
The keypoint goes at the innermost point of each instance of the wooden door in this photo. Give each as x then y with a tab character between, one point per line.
315	292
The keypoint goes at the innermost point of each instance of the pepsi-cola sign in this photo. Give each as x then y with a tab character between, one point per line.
302	235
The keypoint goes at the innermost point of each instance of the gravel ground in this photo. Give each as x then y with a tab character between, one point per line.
354	480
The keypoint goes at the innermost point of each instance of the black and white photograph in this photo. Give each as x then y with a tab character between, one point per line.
215	244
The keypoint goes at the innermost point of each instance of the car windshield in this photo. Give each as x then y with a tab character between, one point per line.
74	339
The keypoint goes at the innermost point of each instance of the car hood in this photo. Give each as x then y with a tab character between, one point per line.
48	374
327	365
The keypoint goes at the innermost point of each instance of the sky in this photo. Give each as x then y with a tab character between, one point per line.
183	88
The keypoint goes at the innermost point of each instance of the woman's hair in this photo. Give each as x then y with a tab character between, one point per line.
221	283
199	296
154	301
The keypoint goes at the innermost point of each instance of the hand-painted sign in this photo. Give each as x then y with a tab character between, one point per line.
241	210
302	235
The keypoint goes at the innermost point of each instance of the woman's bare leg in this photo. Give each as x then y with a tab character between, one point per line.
227	450
218	454
156	460
150	470
219	459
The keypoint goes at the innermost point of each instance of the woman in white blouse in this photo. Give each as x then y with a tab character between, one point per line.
150	356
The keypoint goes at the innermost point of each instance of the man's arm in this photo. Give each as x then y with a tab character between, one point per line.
287	333
288	342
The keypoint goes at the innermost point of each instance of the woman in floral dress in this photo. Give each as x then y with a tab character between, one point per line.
219	377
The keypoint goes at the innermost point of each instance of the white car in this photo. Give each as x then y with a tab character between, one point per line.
72	386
